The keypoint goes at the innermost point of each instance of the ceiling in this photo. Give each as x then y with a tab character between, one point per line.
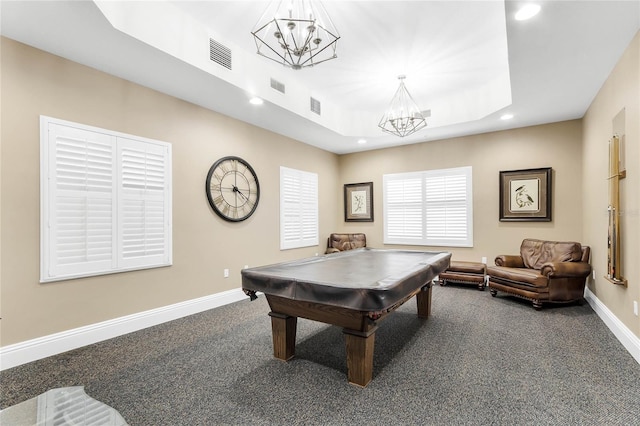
467	62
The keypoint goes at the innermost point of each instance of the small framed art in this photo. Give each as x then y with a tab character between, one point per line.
358	202
525	195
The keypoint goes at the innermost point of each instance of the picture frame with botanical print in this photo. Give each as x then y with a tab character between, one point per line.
525	195
358	202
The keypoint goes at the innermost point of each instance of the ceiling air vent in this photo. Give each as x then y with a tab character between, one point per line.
315	106
275	84
219	53
426	113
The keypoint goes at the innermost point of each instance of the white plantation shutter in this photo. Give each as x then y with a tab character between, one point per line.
298	208
432	208
81	188
105	201
403	215
448	207
143	203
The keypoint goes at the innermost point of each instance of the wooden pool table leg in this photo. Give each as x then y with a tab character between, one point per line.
359	345
283	328
424	301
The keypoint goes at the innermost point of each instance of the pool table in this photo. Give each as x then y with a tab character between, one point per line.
354	289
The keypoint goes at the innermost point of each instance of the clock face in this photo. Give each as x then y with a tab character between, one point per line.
232	189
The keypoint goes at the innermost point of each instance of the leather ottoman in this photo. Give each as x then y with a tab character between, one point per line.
461	272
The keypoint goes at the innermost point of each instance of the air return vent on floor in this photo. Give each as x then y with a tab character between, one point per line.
275	84
219	53
315	106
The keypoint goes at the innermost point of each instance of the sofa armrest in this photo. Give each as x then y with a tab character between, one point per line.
511	261
566	269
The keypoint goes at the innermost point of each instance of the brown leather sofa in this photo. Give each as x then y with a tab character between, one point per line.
341	242
543	272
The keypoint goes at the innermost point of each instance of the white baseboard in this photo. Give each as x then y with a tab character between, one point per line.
42	347
629	340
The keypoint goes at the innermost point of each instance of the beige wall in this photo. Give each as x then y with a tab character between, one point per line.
554	145
620	92
35	83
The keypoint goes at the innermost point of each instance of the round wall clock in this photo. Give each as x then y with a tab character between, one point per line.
233	189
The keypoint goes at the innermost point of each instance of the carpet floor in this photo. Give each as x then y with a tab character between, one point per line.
477	360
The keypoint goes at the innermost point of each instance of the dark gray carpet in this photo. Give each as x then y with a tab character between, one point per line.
477	361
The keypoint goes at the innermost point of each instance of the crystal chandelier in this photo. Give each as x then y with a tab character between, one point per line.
403	116
296	33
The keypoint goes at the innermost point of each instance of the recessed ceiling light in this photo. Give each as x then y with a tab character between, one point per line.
256	101
527	11
506	116
362	141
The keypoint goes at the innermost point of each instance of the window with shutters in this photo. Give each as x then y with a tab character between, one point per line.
298	208
105	201
431	208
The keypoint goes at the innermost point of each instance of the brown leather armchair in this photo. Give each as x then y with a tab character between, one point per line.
341	242
544	272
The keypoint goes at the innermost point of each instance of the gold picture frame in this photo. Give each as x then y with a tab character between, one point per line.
358	202
525	195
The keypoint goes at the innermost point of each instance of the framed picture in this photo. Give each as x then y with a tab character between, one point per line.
358	202
525	195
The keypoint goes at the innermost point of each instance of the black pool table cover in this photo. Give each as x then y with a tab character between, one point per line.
364	279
